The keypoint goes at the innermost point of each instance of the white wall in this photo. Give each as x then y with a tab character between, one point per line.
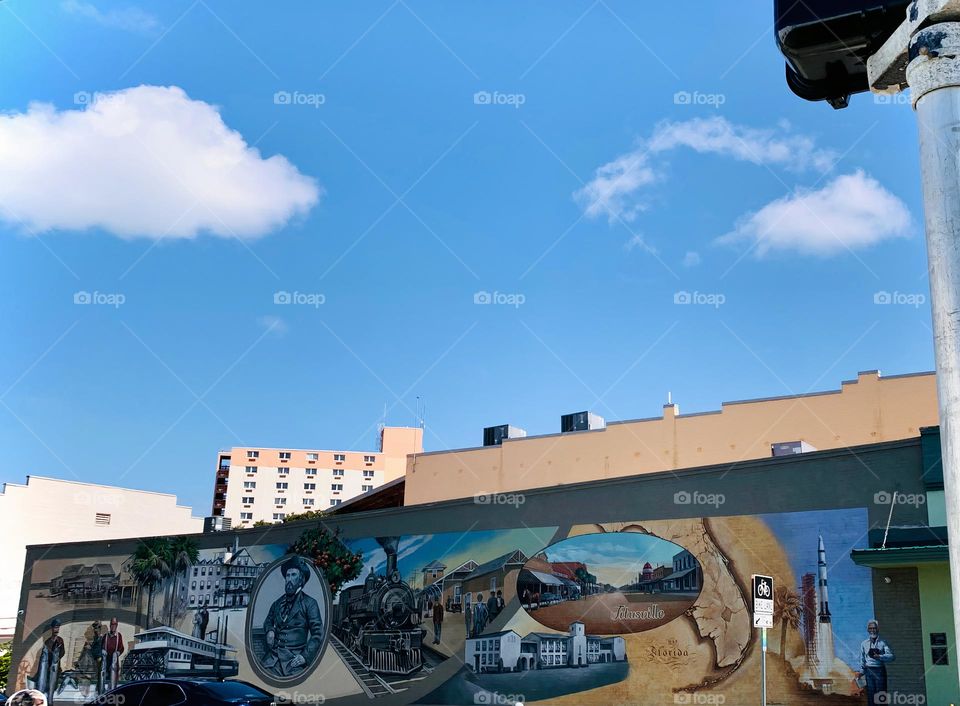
46	511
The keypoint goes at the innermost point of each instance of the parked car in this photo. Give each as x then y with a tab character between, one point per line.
549	598
185	692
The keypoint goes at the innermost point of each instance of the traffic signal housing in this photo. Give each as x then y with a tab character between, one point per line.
827	43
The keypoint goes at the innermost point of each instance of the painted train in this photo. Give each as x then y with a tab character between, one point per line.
379	619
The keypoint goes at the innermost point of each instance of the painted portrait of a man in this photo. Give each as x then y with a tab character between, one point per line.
293	627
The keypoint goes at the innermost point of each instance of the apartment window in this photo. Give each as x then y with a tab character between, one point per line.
311	471
313	457
336	487
334	502
248	500
308	501
246	515
309	486
280	501
368	474
365	488
251	469
338	472
279	515
282	486
369	459
102	518
253	454
339	458
284	455
249	484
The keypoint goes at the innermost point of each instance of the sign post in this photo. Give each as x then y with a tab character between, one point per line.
763	619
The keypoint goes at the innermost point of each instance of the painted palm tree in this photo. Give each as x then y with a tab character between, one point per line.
183	554
787	609
150	567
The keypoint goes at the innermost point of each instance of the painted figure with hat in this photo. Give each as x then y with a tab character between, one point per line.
112	645
294	626
47	675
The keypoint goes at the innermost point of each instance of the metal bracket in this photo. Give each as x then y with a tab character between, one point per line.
887	68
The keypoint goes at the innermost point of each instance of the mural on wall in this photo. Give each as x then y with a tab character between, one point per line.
599	615
414	605
634	583
587	625
288	621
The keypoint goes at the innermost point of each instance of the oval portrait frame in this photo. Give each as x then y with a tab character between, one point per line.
326	606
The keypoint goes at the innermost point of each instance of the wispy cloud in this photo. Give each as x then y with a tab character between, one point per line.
691	259
852	211
143	162
616	191
129	19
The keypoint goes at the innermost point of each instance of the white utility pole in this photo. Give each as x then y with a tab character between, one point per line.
924	54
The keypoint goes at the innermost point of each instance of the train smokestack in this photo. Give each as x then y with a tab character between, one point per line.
390	546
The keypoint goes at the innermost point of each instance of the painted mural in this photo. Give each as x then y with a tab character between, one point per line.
631	613
635	582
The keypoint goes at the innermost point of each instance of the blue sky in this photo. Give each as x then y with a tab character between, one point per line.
341	152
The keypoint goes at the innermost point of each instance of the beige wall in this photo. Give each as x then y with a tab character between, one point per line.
869	409
47	510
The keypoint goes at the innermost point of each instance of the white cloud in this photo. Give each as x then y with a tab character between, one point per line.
616	189
143	162
852	211
691	259
717	135
130	19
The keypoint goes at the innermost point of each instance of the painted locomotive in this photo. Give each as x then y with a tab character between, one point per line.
379	620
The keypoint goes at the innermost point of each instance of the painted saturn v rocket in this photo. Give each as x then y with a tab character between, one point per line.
825	654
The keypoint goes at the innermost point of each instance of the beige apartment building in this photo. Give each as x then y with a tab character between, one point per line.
48	510
254	484
869	409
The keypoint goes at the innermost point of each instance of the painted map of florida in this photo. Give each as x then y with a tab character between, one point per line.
720	611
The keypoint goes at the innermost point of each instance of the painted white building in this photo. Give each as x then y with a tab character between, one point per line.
49	510
499	651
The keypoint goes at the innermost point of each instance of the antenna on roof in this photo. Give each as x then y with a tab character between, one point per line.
669	398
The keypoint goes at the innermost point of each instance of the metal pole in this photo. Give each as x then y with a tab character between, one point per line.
934	78
763	667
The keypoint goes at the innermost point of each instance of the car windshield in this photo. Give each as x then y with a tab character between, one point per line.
232	690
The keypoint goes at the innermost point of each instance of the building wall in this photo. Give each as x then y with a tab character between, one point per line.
48	510
867	410
357	472
937	616
901	627
768	522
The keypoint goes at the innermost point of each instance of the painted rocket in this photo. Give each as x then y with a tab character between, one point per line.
823	613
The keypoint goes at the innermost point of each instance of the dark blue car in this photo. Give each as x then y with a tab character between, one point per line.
185	692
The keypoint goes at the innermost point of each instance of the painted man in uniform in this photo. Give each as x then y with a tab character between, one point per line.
294	626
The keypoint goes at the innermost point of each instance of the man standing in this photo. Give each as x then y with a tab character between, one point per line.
479	616
437	621
112	650
875	653
294	627
47	676
493	608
